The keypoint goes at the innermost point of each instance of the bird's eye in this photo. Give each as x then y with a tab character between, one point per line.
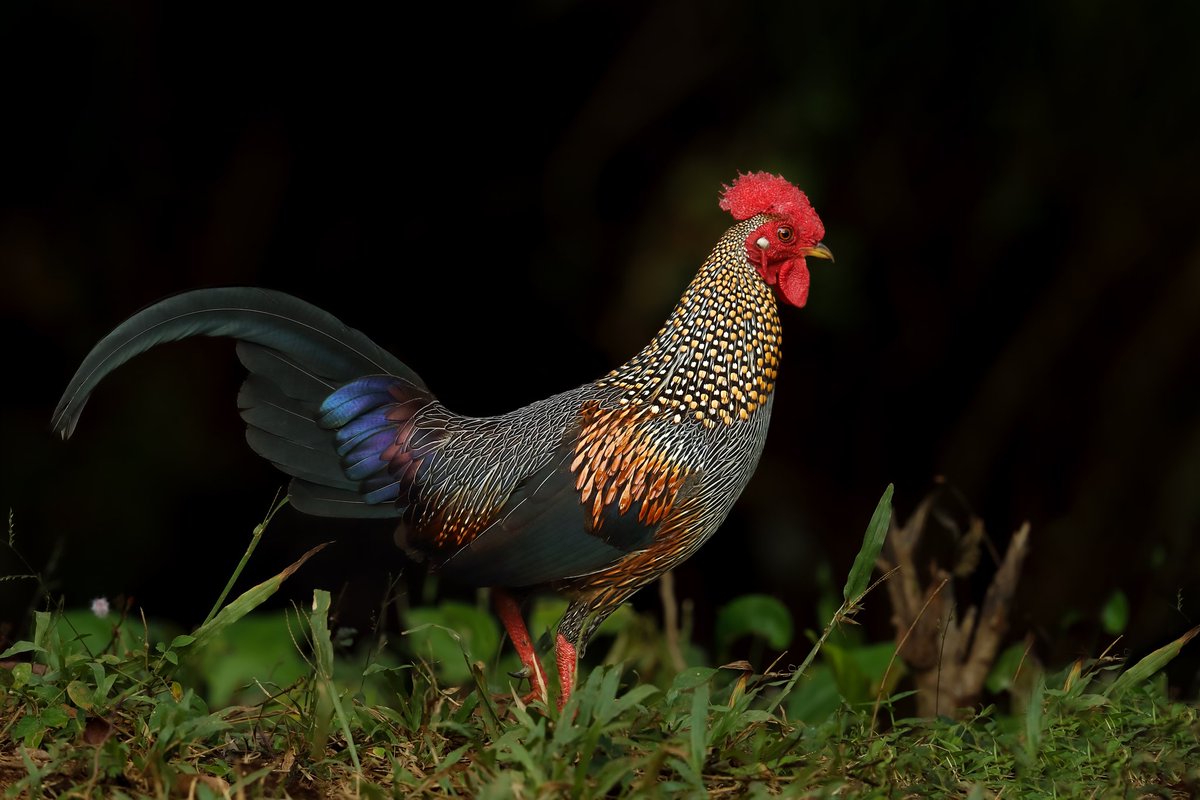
784	233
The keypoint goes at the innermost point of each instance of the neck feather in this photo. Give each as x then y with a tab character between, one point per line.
716	358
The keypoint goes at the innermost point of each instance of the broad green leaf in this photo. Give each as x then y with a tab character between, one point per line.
1005	668
81	694
547	611
873	660
544	616
858	671
81	631
444	633
754	615
633	697
22	673
852	683
375	667
29	729
258	648
815	697
692	677
21	647
54	716
1114	617
864	562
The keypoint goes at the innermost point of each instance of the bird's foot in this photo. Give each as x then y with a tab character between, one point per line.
566	656
536	694
531	667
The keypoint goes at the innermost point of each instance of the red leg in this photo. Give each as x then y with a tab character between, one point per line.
565	655
510	614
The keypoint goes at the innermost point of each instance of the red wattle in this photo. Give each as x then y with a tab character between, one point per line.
793	282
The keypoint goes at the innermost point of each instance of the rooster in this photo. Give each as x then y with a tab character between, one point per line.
592	493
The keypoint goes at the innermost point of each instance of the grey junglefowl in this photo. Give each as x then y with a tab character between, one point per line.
592	493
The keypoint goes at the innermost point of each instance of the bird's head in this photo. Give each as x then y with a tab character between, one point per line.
792	231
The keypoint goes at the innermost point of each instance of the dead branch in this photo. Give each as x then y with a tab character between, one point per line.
949	651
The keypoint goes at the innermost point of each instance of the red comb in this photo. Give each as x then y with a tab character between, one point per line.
764	193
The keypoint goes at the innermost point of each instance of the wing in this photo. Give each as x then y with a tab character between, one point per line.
605	493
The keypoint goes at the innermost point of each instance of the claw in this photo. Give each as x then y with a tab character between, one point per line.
510	614
566	656
522	673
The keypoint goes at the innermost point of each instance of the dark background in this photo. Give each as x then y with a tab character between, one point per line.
511	199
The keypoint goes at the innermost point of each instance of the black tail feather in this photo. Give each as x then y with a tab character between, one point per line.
297	356
265	407
290	377
312	340
322	501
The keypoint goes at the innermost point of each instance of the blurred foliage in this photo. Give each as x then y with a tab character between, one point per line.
753	615
1114	616
453	635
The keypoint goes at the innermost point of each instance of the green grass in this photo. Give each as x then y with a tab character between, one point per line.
268	705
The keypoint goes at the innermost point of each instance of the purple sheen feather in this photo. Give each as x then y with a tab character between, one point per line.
372	384
367	422
337	415
368	465
347	439
370	447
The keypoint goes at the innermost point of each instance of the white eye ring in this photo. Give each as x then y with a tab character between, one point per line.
763	243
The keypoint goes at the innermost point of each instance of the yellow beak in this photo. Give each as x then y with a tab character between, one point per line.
820	251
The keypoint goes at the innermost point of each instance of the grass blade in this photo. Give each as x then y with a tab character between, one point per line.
249	600
1141	672
699	738
323	656
858	584
864	562
1033	718
259	530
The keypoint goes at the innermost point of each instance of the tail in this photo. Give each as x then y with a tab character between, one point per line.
298	356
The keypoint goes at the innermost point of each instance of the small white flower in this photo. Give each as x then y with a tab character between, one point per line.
100	607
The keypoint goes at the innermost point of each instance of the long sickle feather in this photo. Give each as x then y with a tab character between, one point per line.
311	338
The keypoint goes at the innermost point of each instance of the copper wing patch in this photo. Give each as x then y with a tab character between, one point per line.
621	461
